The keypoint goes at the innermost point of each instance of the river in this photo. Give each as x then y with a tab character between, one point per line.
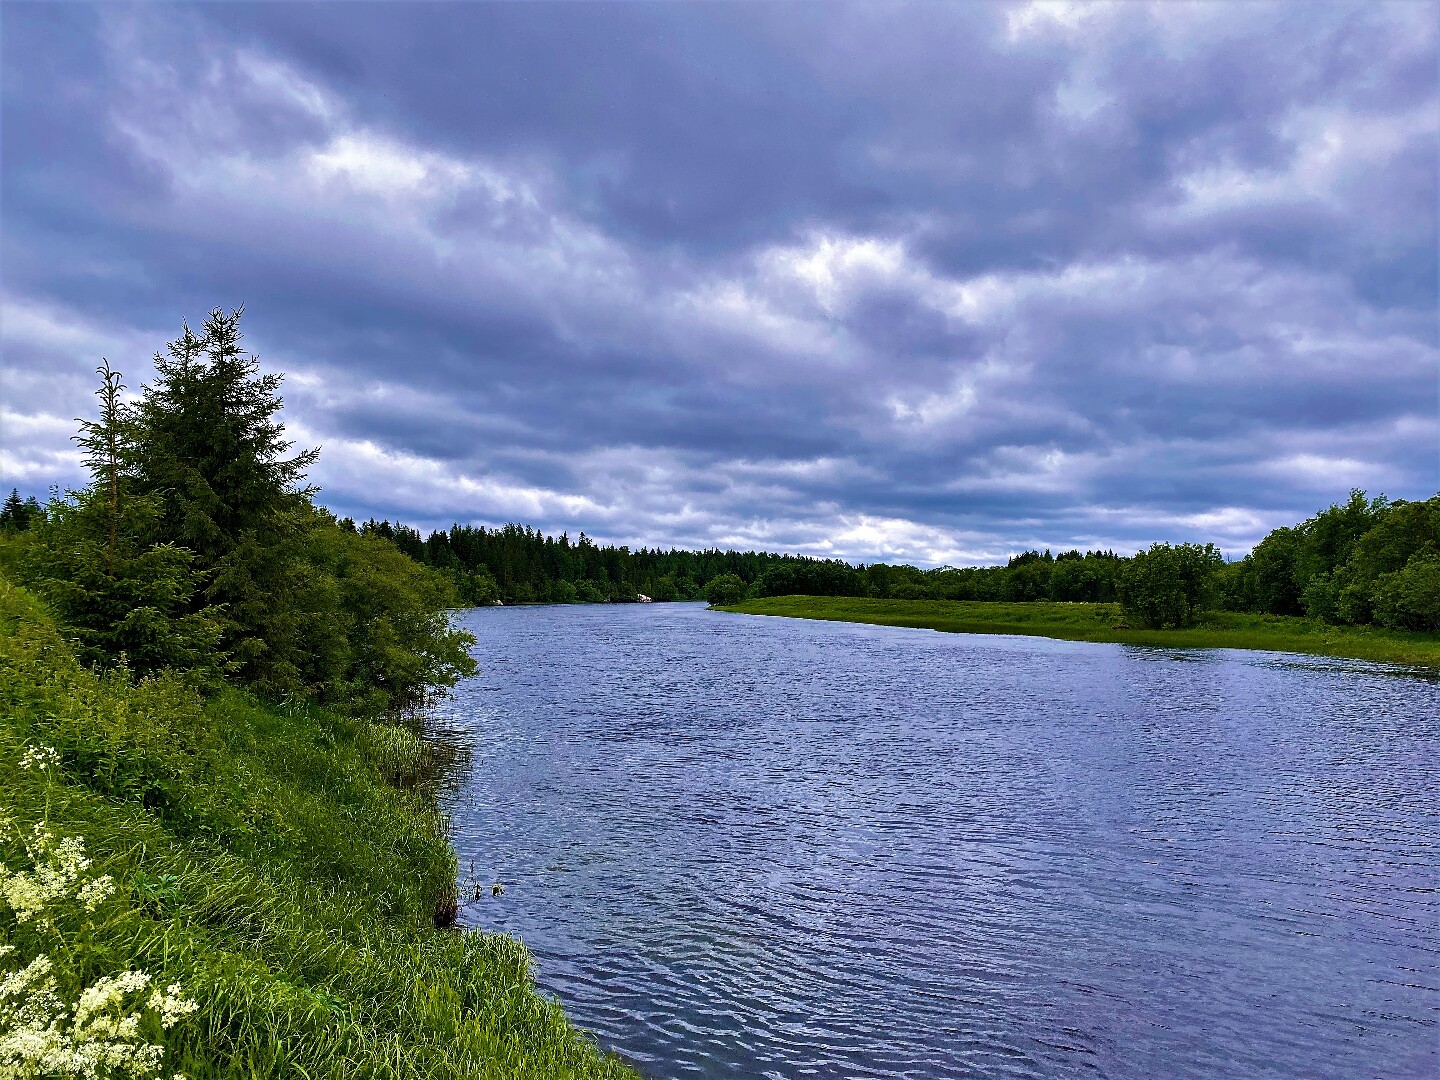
755	847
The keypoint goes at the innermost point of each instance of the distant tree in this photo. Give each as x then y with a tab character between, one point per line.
1028	579
1089	578
1168	586
1273	580
587	592
478	588
19	514
725	589
810	577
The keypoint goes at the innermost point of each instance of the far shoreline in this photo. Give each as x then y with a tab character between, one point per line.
1103	623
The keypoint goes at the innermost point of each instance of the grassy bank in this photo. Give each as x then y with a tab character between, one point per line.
1102	622
283	867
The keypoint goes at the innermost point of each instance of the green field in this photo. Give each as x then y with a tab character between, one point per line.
282	866
1103	622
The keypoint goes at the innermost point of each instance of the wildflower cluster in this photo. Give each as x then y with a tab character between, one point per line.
42	1034
100	1036
40	758
59	875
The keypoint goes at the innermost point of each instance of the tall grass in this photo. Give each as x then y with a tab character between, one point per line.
284	865
1103	622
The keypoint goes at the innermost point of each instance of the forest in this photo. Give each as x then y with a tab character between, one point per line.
1362	562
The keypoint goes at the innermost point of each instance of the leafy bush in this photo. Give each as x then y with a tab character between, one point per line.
725	589
1409	599
1168	586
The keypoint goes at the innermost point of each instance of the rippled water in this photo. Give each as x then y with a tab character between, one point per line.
745	847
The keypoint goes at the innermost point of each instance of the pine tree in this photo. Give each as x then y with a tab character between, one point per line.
214	449
107	444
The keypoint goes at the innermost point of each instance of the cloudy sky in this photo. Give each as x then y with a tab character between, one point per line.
932	282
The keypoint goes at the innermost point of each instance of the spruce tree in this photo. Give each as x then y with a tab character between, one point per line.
211	449
212	446
101	559
13	517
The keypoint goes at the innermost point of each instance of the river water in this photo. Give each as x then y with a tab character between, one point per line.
757	847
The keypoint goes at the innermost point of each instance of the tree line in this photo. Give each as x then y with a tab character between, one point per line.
515	564
1363	562
199	546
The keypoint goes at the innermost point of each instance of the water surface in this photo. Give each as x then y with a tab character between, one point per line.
743	847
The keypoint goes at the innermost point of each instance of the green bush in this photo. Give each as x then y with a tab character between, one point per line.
587	592
725	589
1409	599
1168	586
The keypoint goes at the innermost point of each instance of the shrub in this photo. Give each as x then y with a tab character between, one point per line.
1168	586
725	589
1409	599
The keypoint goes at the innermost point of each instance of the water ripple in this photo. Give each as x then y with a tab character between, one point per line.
746	847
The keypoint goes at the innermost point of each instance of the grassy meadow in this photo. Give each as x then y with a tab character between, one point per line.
279	868
1103	622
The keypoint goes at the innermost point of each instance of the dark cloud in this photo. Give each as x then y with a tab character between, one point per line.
933	282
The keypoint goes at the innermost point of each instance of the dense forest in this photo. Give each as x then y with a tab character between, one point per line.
1366	561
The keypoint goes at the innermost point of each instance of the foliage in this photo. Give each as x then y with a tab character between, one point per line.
1409	598
810	577
1340	565
17	514
287	876
124	595
725	589
524	565
123	592
1169	585
197	547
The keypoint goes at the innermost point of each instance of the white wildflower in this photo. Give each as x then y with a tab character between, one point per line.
171	1006
92	892
40	758
99	1035
58	875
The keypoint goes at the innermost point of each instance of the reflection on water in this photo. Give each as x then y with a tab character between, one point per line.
750	847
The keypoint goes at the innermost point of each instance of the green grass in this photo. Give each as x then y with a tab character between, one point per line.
283	865
1103	622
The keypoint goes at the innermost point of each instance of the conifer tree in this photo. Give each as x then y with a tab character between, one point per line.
198	545
212	450
12	516
101	560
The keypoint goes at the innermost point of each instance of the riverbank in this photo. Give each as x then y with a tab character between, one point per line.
1102	622
283	867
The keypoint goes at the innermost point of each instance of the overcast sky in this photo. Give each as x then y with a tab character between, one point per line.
931	283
